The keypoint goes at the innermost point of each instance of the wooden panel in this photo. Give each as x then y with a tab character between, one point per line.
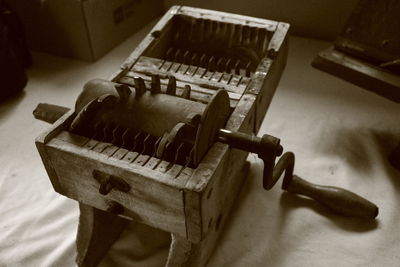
40	142
214	179
270	25
184	253
269	83
148	200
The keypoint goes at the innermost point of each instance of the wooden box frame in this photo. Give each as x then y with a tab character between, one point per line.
193	205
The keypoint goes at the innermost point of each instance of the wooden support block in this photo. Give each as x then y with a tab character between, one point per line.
97	231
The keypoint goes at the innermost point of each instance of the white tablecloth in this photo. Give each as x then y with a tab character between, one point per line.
340	133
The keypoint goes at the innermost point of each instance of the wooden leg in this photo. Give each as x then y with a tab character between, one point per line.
97	231
179	252
183	253
394	157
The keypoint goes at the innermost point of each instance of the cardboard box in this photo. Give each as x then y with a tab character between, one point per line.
83	29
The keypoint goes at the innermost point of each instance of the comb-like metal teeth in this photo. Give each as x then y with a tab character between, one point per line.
186	92
262	41
211	64
230	35
246	36
202	30
237	37
169	152
194	60
156	144
182	152
155	84
189	158
186	57
124	92
148	145
108	132
117	136
140	87
138	143
222	30
169	55
177	36
207	29
177	56
98	131
228	66
237	67
203	61
161	145
192	32
220	64
127	139
248	69
253	38
217	31
171	87
178	154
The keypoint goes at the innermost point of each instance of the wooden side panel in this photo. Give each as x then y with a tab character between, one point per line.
185	253
147	201
214	181
268	74
40	142
224	185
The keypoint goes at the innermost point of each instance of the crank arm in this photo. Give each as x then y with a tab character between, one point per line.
337	199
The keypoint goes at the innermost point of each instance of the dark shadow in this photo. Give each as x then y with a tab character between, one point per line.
353	145
10	103
387	143
291	201
347	145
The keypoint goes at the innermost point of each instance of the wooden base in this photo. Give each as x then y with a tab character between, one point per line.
358	72
98	230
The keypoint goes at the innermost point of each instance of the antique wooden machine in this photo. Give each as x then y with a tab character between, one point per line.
164	141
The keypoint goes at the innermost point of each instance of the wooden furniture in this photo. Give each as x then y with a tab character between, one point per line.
191	203
367	52
165	141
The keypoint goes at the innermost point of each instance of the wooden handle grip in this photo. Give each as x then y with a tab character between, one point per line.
337	199
49	113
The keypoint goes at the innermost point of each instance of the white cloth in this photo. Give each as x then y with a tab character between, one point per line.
341	135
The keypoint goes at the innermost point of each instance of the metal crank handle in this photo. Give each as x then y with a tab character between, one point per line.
337	199
268	148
